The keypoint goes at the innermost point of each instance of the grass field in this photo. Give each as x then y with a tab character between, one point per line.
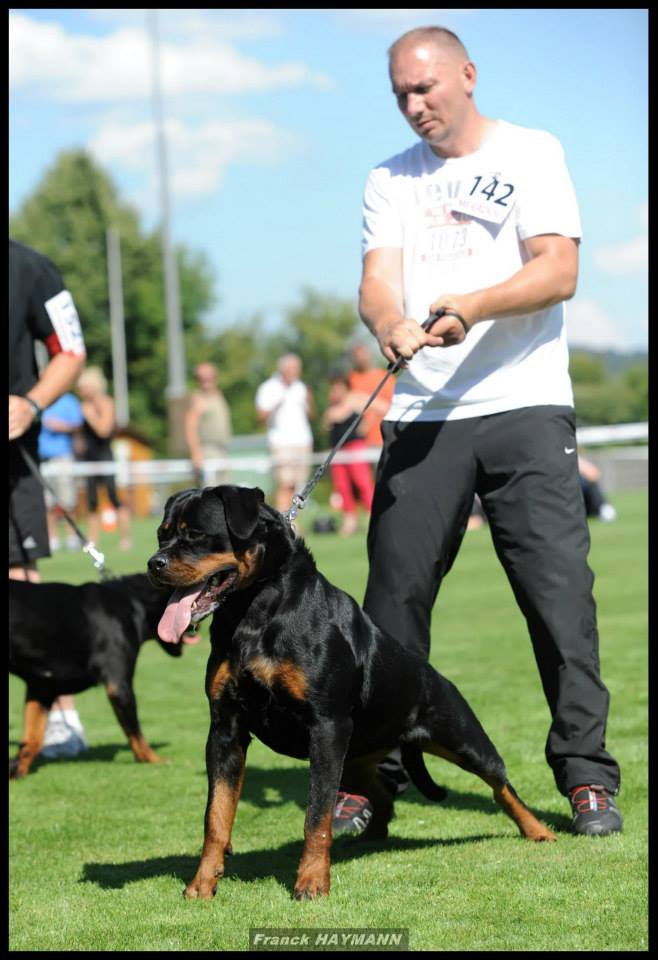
101	847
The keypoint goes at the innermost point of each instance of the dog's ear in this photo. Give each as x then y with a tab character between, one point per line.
180	497
241	506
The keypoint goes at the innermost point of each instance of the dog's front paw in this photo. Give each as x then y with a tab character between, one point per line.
201	888
312	884
541	833
156	758
311	892
15	772
19	766
204	885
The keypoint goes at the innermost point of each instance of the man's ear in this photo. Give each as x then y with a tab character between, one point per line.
242	508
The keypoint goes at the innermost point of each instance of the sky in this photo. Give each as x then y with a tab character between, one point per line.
274	117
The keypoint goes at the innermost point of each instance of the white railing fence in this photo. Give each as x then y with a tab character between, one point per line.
623	467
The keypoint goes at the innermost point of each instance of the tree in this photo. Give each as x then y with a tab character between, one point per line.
320	330
636	381
602	396
585	368
66	218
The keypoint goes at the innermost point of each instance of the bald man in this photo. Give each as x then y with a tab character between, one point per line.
285	405
480	217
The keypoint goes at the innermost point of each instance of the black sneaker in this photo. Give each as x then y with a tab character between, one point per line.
351	815
594	809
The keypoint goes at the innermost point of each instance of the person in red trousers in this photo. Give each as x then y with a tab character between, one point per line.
344	408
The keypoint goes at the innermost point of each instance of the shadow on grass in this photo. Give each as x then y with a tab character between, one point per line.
255	865
267	787
260	783
104	754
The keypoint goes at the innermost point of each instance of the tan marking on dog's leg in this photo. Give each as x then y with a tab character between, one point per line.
526	821
217	681
35	721
314	867
217	840
126	714
142	750
504	795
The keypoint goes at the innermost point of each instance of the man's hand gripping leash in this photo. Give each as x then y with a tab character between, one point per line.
299	499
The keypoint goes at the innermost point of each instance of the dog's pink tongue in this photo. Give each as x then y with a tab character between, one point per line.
176	618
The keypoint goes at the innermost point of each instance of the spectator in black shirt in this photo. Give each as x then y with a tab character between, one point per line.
40	309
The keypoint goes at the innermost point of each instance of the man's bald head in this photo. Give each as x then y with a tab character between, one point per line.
439	37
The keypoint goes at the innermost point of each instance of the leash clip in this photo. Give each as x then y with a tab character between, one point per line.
99	558
298	503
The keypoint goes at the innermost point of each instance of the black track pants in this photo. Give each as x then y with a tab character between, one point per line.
523	465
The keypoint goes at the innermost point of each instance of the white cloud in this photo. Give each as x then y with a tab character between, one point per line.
589	326
225	24
388	14
198	156
118	66
398	19
629	257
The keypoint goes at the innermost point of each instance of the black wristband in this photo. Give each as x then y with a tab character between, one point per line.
35	406
453	313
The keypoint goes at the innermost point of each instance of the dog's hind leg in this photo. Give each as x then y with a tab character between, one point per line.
122	698
35	721
456	734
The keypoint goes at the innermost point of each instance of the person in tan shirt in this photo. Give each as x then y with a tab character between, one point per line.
207	426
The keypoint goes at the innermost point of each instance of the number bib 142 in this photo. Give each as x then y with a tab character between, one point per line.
489	198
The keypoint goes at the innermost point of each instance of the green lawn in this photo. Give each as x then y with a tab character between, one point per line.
101	847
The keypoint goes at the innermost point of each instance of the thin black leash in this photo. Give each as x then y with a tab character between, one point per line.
299	499
88	546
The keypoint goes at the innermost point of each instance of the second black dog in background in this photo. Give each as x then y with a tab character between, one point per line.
66	639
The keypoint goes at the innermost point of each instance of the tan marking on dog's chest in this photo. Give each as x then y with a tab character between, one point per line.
283	672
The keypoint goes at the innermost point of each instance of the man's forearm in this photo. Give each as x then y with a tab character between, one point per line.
549	276
379	305
539	284
58	377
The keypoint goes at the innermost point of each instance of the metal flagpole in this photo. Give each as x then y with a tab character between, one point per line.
117	322
176	387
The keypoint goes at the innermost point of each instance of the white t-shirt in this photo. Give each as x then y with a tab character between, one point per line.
288	426
461	224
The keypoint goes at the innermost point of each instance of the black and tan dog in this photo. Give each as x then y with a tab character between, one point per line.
65	639
295	661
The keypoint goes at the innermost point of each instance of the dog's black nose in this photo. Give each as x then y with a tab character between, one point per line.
157	563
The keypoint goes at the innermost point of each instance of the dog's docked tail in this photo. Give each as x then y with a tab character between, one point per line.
414	764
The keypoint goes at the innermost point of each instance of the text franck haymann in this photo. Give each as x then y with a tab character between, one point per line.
264	938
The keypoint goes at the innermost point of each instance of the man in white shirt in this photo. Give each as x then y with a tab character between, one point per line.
480	217
284	403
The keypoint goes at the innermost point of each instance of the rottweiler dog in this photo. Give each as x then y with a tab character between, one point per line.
295	661
65	639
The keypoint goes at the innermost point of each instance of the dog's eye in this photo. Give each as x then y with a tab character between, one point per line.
193	534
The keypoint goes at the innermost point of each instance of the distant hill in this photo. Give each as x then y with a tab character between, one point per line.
615	361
